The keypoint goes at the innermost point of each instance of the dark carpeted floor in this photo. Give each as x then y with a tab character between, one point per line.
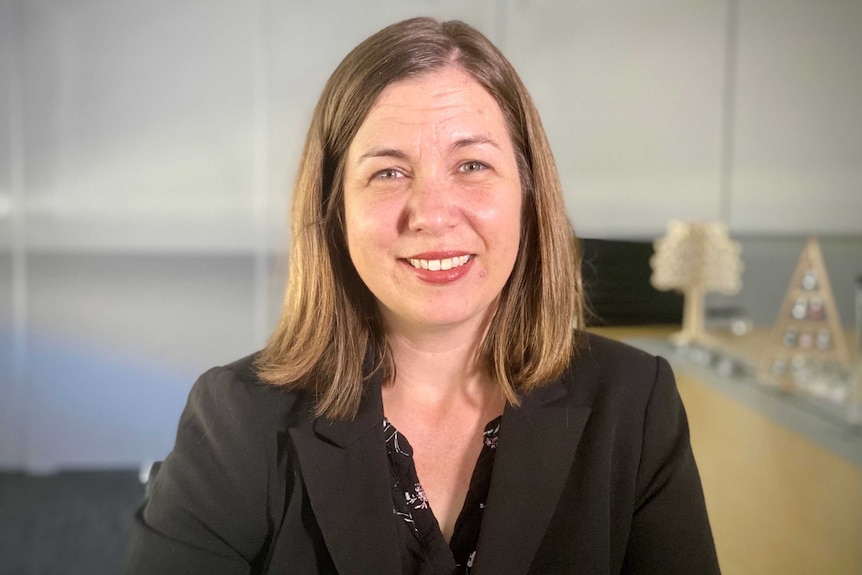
72	523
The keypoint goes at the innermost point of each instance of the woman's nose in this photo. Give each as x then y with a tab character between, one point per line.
433	206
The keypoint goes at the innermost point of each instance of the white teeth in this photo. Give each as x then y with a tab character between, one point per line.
437	265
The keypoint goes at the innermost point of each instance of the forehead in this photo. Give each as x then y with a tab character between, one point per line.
440	101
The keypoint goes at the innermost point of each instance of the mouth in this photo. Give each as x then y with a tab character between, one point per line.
440	264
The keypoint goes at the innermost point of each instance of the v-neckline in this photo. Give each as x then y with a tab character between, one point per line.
412	510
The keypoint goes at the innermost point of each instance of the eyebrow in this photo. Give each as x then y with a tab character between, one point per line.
474	141
382	153
456	145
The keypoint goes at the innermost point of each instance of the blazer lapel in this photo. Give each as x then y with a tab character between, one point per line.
346	474
537	445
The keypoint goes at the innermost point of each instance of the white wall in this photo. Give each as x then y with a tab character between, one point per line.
797	145
148	148
631	97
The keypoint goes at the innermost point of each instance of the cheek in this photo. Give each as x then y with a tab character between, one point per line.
510	230
349	226
503	222
366	228
354	223
376	214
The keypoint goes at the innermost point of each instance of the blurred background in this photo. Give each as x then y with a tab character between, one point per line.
147	152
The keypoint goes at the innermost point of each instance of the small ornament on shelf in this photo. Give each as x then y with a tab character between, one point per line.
799	309
809	280
815	310
808	326
791	337
824	338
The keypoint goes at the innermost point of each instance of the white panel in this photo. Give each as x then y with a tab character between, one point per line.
798	146
630	94
143	231
115	343
138	118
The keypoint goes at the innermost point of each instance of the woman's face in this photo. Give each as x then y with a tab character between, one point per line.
432	202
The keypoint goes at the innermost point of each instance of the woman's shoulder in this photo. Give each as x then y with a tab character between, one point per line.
213	497
616	355
604	370
235	390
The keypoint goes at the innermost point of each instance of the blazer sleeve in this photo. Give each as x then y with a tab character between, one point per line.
670	531
207	510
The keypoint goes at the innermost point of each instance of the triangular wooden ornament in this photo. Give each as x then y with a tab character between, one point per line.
808	328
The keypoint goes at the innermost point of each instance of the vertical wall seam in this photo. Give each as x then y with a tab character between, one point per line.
728	113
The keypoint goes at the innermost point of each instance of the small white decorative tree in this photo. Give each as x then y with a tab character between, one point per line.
695	258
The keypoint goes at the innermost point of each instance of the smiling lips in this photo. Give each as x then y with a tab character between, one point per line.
438	265
440	268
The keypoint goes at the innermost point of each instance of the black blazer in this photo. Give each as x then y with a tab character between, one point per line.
594	474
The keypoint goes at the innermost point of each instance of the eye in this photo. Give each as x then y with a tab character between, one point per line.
472	167
387	174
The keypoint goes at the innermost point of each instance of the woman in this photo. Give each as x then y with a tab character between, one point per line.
424	405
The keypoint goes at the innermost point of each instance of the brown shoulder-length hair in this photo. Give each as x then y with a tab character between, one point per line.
330	337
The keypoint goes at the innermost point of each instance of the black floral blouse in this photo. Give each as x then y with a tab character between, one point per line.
424	551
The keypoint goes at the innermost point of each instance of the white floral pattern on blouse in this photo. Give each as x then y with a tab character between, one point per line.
425	549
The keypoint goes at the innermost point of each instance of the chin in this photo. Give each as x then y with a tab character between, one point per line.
434	320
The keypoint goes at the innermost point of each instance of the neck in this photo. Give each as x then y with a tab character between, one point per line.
437	367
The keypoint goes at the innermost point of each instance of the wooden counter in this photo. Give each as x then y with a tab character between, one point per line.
779	503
